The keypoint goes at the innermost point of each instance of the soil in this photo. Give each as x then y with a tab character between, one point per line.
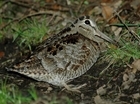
119	84
108	86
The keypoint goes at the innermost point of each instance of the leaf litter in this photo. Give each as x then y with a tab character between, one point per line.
117	85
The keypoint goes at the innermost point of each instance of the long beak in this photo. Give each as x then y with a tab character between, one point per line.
103	36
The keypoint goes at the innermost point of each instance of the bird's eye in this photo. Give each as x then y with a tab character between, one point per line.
87	22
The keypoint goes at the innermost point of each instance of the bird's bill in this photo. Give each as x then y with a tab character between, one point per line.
103	36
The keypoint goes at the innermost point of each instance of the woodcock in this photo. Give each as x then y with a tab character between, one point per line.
66	55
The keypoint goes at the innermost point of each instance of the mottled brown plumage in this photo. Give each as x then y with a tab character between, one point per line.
66	55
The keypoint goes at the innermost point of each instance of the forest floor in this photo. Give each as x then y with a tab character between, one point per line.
114	79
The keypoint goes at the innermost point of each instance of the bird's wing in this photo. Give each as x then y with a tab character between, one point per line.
67	56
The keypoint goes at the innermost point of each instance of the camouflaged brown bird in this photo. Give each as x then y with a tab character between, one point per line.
66	55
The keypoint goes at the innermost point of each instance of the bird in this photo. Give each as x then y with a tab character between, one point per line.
66	55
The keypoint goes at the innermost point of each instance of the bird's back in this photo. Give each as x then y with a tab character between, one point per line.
64	58
66	55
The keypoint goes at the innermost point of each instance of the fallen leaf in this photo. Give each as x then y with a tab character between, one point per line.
107	12
128	79
117	31
99	100
135	4
108	9
49	1
101	90
136	95
2	54
135	66
125	77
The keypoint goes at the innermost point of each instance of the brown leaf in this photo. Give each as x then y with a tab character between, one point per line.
107	12
50	1
136	66
108	9
106	1
2	54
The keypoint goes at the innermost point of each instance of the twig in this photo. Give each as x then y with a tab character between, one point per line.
80	5
110	63
41	13
2	27
33	14
19	3
5	2
50	20
135	34
113	16
129	25
130	31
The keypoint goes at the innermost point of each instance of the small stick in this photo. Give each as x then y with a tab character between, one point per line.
135	35
33	14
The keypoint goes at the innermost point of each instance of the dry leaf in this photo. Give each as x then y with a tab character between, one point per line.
108	9
99	100
135	4
101	90
136	66
125	77
117	30
136	95
2	54
49	1
107	12
128	79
